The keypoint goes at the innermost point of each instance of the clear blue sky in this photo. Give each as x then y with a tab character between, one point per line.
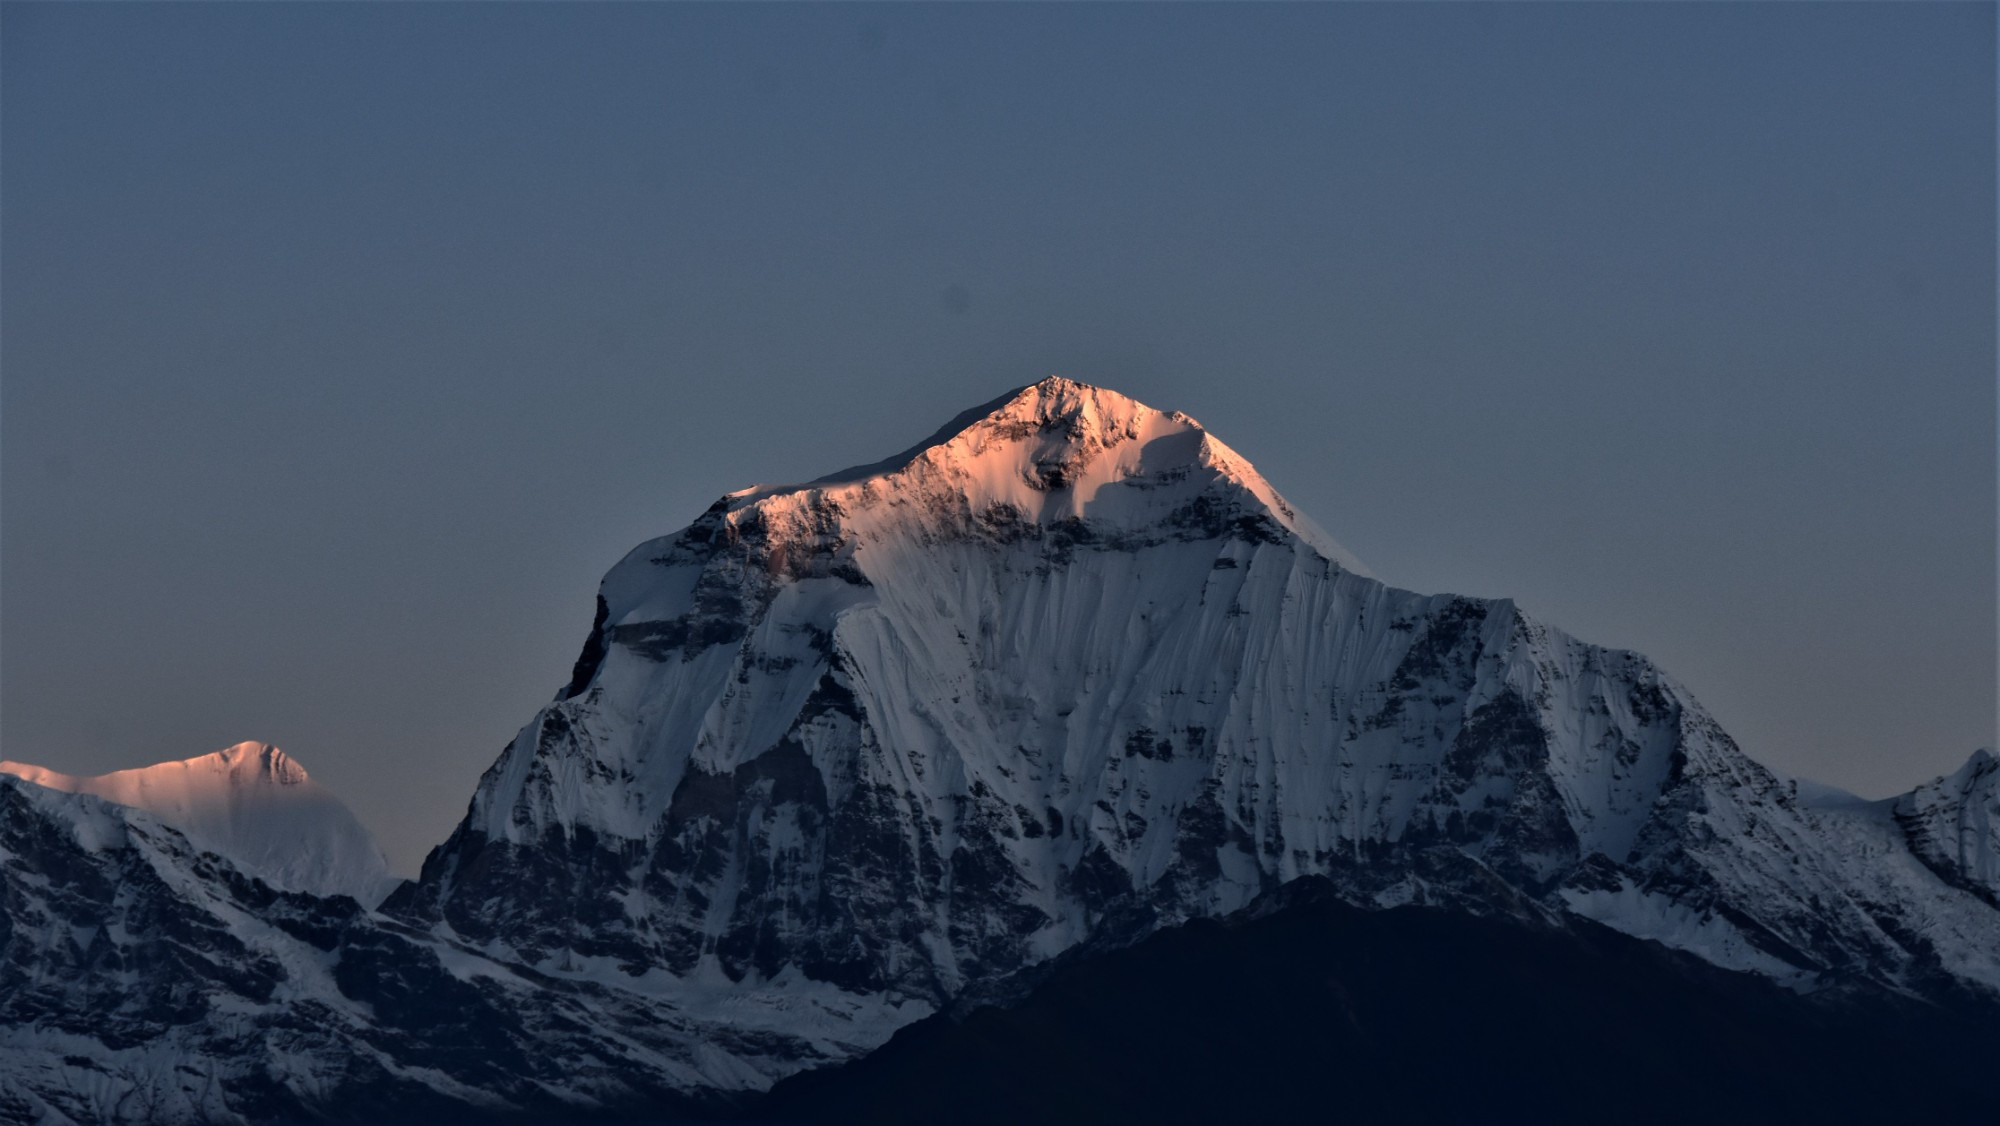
343	347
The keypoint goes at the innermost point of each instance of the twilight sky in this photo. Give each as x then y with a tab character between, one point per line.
343	347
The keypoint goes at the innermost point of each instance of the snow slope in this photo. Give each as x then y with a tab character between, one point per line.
253	804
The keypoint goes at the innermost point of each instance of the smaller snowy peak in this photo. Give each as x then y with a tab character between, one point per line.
176	788
248	763
251	803
1953	825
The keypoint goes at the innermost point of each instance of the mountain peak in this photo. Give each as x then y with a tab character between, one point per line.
1064	426
1055	405
1078	409
1059	450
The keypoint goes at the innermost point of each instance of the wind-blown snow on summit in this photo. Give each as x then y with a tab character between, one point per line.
253	804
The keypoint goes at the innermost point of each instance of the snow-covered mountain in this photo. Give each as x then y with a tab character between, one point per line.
253	804
844	754
1073	668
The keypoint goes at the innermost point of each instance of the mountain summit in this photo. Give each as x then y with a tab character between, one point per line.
843	755
1059	451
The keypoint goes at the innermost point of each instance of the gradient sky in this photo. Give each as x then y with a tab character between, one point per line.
346	346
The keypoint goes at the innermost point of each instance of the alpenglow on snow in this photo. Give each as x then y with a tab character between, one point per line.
839	755
254	804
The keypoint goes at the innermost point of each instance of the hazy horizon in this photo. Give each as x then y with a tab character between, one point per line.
344	348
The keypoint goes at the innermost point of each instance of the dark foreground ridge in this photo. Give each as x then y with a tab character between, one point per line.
1411	1014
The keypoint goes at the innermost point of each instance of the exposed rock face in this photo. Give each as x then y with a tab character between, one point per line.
1953	826
839	755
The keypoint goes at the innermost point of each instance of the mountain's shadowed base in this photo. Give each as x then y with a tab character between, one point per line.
1323	1011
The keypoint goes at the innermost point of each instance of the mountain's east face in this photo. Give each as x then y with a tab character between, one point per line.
841	755
253	804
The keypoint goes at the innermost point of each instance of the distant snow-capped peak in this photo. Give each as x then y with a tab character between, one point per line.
252	804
